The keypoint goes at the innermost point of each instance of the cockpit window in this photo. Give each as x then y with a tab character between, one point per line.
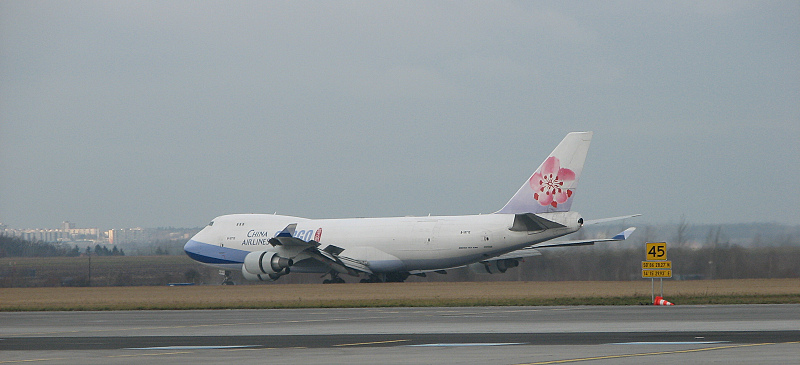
211	224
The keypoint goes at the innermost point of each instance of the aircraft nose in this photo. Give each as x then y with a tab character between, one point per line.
191	246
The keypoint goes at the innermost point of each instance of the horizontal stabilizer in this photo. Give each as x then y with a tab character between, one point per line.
612	219
533	222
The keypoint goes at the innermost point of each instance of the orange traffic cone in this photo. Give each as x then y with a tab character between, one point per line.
661	301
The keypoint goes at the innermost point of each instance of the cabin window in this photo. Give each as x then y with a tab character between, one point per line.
211	224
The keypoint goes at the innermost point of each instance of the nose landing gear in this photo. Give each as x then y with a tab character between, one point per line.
226	280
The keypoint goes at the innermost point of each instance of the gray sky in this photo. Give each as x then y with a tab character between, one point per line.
122	114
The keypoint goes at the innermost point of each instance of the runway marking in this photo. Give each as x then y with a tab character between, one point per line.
466	344
110	356
519	310
30	360
191	347
151	354
671	343
258	348
369	343
183	326
649	354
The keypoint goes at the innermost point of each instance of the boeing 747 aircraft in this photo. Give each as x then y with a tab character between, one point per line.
267	246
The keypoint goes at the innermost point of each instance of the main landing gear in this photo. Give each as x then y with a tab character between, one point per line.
392	277
335	279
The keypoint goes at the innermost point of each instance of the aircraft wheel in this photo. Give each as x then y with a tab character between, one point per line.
372	279
326	281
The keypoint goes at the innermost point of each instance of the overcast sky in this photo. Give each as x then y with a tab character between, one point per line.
121	114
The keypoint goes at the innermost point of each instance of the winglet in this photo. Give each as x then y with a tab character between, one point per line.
552	187
285	235
624	234
288	231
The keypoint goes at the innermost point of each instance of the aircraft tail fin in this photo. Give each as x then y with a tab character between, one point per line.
552	187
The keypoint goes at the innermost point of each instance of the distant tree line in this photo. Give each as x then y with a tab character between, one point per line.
104	251
18	247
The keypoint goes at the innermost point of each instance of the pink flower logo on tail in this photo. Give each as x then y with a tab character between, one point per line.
548	182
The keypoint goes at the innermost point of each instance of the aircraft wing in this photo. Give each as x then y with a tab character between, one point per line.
329	256
354	264
618	237
518	254
533	250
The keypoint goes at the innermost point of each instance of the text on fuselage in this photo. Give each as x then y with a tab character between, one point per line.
255	238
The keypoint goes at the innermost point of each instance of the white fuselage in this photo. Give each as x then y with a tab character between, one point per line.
382	244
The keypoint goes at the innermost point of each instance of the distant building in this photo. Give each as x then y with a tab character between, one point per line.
46	235
127	235
66	234
84	234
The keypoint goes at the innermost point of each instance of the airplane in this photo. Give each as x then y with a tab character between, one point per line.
265	247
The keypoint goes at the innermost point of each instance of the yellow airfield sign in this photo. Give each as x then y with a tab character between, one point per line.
647	274
656	251
649	265
656	265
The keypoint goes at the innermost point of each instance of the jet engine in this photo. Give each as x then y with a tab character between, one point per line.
494	266
259	277
262	264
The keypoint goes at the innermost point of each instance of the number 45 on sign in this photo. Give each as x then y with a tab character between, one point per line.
656	251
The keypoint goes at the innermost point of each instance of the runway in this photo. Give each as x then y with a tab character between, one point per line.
496	335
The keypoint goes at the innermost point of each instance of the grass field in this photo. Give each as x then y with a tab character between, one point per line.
399	294
102	270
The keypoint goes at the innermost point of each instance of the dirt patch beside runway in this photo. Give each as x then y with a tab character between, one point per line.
399	294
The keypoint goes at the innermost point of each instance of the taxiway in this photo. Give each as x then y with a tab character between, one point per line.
500	335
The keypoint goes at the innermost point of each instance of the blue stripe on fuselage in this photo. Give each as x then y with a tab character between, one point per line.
212	254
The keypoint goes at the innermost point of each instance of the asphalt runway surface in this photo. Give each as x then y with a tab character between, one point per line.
494	335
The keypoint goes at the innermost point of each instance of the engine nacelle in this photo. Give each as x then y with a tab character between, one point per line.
265	263
494	266
259	277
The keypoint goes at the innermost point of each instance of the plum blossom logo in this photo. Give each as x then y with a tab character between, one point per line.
548	183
